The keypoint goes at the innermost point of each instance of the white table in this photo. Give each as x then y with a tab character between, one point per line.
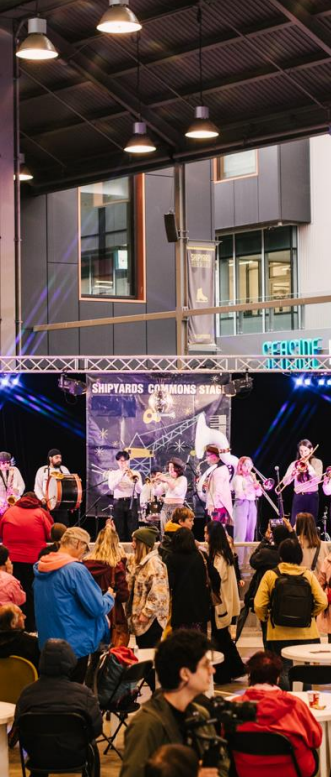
7	712
324	719
147	654
312	653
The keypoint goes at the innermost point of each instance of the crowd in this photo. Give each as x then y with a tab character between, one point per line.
179	596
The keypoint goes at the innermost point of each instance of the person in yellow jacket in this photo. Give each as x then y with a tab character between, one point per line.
279	637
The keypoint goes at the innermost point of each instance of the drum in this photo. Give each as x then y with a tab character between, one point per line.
65	492
154	507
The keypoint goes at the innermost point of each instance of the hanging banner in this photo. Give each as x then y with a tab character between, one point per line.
201	292
155	419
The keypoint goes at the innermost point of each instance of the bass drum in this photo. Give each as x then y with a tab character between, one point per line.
65	492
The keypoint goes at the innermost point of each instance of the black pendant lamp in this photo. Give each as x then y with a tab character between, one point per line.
140	142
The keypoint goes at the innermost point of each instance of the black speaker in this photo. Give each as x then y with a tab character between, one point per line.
171	227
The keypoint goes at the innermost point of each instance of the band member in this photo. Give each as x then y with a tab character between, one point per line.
54	466
306	473
246	490
172	486
126	485
214	488
148	490
11	481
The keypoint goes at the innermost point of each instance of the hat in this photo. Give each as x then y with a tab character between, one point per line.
53	452
177	462
76	533
146	535
57	658
213	449
5	456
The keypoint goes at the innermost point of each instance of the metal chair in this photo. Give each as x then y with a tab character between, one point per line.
261	744
310	675
15	674
56	743
135	675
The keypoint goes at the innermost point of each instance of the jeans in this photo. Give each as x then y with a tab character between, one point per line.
244	516
277	646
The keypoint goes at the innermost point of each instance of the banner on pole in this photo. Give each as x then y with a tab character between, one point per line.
201	292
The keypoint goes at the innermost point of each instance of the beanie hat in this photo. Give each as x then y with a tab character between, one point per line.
75	533
57	658
53	452
212	449
4	456
147	535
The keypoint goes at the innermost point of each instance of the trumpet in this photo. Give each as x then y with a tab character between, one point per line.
12	499
266	483
132	475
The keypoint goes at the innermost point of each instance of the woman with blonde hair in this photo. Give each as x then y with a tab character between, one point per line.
314	551
148	606
246	492
107	565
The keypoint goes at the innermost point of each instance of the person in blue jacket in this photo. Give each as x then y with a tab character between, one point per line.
68	603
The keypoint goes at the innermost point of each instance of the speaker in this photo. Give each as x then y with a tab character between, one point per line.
171	227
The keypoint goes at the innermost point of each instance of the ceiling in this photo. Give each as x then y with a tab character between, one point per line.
266	78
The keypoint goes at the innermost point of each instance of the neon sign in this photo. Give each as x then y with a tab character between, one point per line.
302	347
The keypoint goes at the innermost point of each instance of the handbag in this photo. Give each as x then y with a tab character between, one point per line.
119	631
214	596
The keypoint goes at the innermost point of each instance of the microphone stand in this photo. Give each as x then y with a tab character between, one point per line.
133	494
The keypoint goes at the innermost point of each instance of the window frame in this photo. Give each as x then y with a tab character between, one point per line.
218	166
137	229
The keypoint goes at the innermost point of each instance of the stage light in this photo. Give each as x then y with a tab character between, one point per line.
321	381
307	381
5	380
328	382
16	380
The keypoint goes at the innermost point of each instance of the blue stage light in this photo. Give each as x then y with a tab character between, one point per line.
16	380
329	382
321	381
307	382
299	381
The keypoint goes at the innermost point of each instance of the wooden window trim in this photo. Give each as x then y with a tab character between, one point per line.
217	164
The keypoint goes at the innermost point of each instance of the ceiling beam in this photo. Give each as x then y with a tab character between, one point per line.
310	26
59	87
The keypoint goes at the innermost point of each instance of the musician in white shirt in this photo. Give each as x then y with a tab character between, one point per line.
126	485
54	466
11	481
172	486
246	491
214	488
306	473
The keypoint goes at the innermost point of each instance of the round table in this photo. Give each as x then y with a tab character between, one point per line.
312	653
7	712
215	656
324	719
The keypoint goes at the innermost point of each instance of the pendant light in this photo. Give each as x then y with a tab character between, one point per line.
119	19
201	128
37	46
140	142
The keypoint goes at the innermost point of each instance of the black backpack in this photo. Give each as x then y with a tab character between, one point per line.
291	601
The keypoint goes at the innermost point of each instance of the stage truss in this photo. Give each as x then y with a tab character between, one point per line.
165	364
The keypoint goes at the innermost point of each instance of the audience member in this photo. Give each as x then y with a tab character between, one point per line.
69	604
24	529
270	598
14	640
107	565
10	588
55	692
165	546
281	713
148	606
188	581
324	579
184	516
221	556
173	761
57	531
313	550
184	672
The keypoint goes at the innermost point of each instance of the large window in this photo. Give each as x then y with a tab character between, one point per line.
255	266
238	165
109	257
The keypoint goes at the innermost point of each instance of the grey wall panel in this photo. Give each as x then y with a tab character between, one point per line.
34	261
62	293
130	339
167	172
246	210
295	181
62	226
63	342
161	337
199	200
34	343
96	340
268	184
129	309
224	205
160	255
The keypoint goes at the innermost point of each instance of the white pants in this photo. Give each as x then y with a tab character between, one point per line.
244	516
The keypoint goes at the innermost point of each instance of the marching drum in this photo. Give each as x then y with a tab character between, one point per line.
65	492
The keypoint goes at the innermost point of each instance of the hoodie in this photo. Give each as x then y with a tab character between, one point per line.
69	604
24	529
281	713
115	577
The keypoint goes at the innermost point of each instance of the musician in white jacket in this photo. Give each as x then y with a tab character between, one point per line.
11	481
54	458
214	488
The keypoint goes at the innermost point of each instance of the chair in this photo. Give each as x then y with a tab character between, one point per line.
135	675
260	744
15	674
41	736
310	675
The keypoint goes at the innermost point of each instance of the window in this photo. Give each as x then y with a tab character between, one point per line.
238	165
255	266
110	261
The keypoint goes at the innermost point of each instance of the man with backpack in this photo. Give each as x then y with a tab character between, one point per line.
289	597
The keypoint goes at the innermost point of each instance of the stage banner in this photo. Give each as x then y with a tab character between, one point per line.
154	419
201	292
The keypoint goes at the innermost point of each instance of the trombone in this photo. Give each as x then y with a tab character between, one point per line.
266	483
300	466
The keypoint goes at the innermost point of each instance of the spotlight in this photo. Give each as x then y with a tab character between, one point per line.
119	19
298	381
16	380
71	386
328	382
36	45
321	381
307	381
5	380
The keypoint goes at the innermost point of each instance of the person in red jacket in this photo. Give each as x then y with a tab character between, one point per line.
24	530
281	713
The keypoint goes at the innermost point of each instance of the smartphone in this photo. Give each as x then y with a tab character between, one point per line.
276	522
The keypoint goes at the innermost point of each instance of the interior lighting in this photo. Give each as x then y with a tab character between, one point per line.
329	382
119	19
37	46
307	381
298	381
201	128
140	142
321	381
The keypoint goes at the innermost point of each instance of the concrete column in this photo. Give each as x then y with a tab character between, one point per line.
7	222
